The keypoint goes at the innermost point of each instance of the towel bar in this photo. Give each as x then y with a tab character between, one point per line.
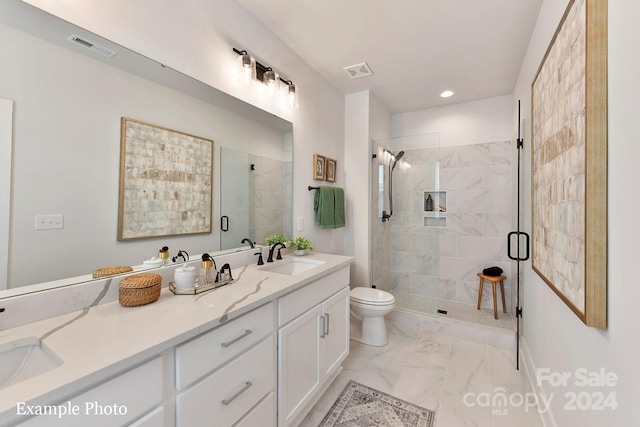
312	188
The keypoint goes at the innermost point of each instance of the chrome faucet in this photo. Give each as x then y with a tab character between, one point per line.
249	241
273	248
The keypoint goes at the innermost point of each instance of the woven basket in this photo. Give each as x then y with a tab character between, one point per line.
140	289
111	271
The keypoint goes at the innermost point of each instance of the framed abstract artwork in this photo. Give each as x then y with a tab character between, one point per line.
319	167
569	162
166	179
330	173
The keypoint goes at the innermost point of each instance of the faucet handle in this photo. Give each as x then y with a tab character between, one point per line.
279	256
260	261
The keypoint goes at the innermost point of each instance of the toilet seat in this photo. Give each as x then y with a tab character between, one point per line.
370	296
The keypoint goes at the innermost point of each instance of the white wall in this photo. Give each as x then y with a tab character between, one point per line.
486	120
366	119
196	37
554	337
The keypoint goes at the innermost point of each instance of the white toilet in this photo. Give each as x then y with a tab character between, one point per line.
370	306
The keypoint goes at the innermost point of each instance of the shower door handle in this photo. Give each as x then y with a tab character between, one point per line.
526	242
224	223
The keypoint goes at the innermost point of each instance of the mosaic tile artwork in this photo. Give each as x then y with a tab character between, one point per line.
558	150
359	405
165	182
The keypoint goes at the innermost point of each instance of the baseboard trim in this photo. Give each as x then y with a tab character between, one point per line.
547	418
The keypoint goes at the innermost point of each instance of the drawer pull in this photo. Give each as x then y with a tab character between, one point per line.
327	324
235	340
235	396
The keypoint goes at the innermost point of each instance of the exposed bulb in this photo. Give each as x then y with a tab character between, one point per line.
270	80
246	68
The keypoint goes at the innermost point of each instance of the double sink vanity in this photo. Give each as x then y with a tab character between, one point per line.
259	351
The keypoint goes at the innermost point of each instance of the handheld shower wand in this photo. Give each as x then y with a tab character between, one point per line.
392	166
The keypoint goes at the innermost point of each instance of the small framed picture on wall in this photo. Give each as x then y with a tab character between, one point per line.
330	173
318	167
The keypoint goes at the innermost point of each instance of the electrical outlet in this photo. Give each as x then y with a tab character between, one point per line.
300	223
49	222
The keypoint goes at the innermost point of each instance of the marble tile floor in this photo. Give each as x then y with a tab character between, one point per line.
437	370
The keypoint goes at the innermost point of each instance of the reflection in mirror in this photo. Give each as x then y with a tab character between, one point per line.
255	195
68	102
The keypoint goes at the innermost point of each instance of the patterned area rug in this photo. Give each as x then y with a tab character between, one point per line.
362	406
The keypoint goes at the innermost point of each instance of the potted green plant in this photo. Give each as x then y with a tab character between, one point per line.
300	244
276	238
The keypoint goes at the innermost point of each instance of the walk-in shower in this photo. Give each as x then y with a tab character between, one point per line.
451	214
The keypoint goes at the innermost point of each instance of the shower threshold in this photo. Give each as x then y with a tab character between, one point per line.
446	309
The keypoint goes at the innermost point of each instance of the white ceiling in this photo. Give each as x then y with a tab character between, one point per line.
416	48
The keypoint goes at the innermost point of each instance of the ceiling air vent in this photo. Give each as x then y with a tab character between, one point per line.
358	71
105	51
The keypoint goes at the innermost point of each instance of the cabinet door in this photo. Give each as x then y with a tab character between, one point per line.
335	347
298	364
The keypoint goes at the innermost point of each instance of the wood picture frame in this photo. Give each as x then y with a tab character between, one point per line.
319	167
166	181
330	172
569	162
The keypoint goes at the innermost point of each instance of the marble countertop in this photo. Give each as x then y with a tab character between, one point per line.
100	341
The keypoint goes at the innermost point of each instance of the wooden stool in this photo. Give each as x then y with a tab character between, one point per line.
493	280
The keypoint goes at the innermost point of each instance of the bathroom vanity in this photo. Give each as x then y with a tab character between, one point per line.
257	352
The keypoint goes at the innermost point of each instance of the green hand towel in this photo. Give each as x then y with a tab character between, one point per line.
324	206
338	194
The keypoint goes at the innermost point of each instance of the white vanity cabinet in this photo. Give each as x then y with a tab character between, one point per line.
120	401
313	340
223	374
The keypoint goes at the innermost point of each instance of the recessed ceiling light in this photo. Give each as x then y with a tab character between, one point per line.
446	94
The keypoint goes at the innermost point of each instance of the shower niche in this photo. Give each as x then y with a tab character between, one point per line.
435	208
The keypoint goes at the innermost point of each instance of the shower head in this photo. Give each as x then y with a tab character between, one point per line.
396	157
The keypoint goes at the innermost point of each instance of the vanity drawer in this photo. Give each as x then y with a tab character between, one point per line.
205	353
297	302
263	415
225	396
117	402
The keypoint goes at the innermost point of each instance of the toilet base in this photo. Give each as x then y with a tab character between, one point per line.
373	332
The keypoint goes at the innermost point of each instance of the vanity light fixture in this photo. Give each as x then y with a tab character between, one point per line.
291	94
446	94
271	80
274	85
246	68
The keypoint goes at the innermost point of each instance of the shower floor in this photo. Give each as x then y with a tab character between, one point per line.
455	310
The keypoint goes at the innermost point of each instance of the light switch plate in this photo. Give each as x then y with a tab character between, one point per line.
300	223
49	222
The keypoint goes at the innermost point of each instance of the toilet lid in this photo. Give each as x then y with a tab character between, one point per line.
371	296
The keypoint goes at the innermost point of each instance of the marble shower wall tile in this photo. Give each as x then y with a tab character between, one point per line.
461	178
496	225
487	249
497	178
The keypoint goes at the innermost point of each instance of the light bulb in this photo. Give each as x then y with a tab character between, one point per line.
270	80
246	68
292	95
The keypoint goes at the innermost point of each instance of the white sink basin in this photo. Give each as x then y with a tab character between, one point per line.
292	266
25	358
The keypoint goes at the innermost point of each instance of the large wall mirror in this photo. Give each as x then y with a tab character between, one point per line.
68	102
